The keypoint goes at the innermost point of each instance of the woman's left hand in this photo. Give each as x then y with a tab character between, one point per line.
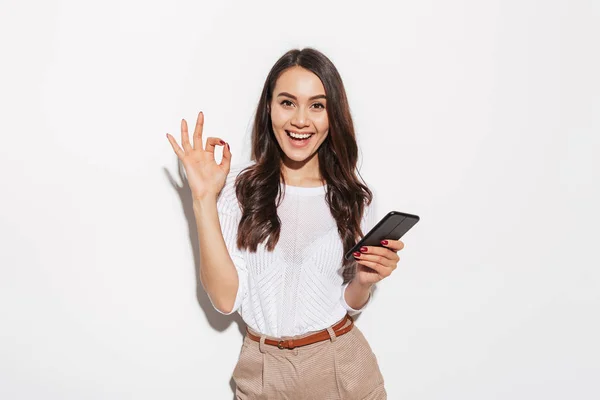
381	261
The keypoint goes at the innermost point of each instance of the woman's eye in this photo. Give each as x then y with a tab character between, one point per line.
289	103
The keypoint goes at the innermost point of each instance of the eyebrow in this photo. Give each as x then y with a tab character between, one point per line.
319	96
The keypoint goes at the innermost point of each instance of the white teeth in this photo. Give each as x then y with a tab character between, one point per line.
299	136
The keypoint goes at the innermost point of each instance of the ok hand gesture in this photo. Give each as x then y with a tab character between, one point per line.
206	178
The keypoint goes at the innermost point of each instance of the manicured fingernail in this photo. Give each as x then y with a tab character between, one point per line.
384	242
228	148
356	254
222	141
363	249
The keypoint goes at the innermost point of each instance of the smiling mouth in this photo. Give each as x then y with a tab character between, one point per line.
299	136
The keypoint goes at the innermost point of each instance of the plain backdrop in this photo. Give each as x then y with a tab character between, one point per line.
482	117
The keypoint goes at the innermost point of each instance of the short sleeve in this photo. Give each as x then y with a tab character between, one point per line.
366	224
229	218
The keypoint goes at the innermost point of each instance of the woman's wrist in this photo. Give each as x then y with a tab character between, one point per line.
208	201
357	294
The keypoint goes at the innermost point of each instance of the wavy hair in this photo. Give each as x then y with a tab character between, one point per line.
258	186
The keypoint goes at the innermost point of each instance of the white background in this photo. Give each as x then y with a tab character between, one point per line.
482	117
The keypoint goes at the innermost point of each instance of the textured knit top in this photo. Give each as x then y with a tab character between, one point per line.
298	287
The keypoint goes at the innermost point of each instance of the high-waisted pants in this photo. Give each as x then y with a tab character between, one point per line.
341	368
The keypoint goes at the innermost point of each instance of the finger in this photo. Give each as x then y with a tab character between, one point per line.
395	245
226	160
180	153
379	259
211	142
185	139
380	251
197	139
380	269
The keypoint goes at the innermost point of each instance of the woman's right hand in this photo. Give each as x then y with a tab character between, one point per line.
206	178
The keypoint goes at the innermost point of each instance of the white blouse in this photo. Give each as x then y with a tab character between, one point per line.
298	287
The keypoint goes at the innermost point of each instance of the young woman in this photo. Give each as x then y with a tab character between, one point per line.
273	232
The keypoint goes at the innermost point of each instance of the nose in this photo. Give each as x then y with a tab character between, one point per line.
300	118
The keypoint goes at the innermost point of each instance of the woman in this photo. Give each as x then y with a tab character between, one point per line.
273	232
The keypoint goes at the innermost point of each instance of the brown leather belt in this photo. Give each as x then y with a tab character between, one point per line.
314	338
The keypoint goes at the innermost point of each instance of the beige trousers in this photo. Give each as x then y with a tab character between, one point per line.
341	368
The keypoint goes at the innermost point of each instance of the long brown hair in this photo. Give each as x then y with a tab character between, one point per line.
258	186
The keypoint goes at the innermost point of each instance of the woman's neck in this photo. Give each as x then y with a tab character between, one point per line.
302	173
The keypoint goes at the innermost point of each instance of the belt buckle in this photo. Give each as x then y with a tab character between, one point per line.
290	344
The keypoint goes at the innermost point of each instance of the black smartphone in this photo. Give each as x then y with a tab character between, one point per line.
393	226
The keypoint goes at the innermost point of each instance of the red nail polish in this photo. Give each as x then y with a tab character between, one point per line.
356	254
228	148
384	242
363	249
221	141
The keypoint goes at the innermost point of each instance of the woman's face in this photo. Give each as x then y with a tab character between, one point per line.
299	107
